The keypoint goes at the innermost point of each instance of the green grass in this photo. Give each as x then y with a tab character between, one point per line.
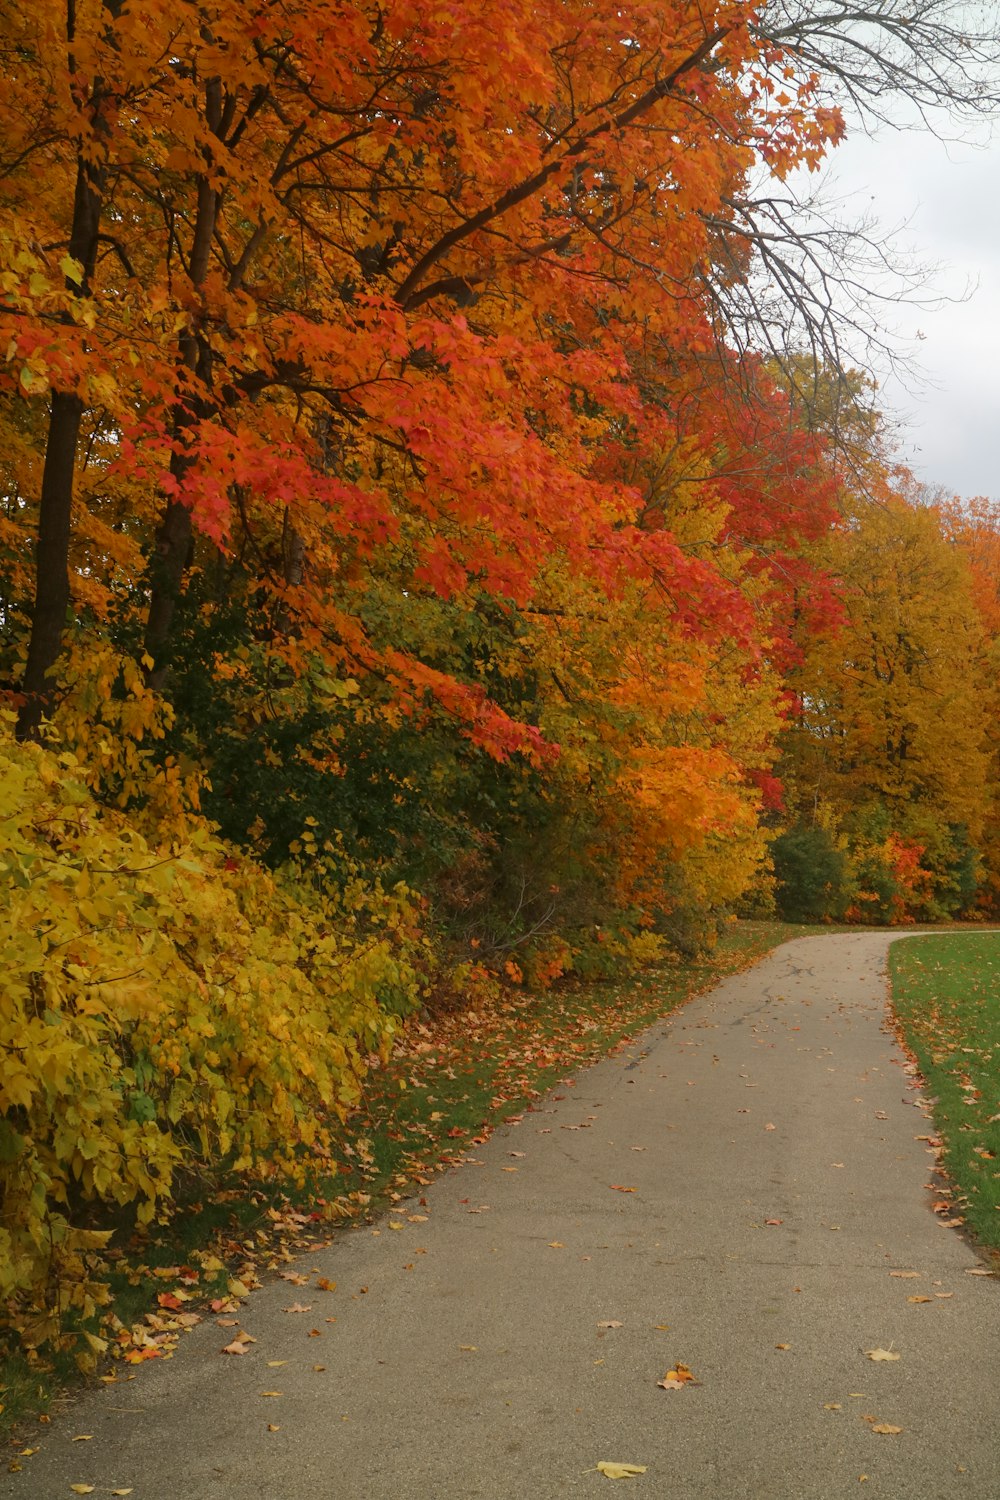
455	1076
946	995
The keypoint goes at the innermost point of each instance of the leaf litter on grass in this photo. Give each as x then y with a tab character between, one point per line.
946	1004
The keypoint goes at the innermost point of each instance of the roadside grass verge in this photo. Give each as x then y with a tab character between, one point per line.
946	996
455	1074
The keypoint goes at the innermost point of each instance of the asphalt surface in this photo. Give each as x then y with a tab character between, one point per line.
468	1356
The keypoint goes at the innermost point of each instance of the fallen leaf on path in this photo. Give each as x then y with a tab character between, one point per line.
905	1275
919	1299
782	1346
616	1187
880	1354
270	1393
276	1364
469	1348
84	1437
122	1492
298	1307
82	1489
556	1245
979	1271
886	1427
325	1285
294	1277
519	1154
236	1347
273	1427
832	1406
944	1295
619	1471
677	1378
611	1323
770	1127
774	1221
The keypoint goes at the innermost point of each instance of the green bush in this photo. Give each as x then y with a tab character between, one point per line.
811	875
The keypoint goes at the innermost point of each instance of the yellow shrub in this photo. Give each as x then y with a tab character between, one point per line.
163	1009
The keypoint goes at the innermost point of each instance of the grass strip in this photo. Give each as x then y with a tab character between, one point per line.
946	996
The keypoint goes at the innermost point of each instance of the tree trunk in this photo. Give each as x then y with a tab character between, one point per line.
52	591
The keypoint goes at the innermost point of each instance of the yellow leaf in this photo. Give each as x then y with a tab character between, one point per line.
919	1299
880	1354
885	1427
619	1471
82	1489
677	1378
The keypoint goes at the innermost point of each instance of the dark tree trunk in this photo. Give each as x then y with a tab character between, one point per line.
52	591
173	550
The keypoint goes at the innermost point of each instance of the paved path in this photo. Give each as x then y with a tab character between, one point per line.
468	1358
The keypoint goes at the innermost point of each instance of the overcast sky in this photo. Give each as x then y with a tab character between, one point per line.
948	198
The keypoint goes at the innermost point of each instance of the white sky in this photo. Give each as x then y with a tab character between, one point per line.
944	200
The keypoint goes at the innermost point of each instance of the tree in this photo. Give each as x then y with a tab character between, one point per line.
295	212
890	738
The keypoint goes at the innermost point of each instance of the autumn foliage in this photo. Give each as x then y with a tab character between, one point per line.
393	501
